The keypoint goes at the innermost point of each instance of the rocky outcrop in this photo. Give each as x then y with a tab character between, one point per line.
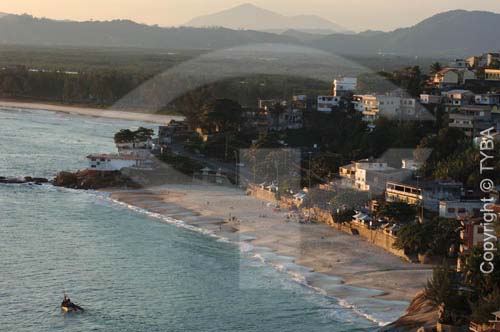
21	180
93	180
421	313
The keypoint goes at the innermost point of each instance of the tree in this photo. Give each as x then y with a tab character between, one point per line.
413	239
124	136
482	310
397	212
324	165
436	67
473	276
143	134
440	288
222	116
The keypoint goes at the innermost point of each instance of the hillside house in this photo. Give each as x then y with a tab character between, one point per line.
459	208
450	77
327	103
344	86
492	74
487	99
471	119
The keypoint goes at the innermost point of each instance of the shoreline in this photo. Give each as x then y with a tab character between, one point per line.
91	112
337	264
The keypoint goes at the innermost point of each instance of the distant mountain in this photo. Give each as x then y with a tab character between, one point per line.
250	17
453	33
28	30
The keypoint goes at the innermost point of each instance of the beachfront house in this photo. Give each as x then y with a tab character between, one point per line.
428	194
117	162
361	218
371	175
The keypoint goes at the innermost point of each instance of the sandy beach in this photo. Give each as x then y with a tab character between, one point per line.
94	112
315	246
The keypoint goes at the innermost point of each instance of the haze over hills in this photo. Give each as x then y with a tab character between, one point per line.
450	34
28	30
250	17
453	33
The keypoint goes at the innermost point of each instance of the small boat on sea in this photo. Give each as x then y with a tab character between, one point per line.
68	306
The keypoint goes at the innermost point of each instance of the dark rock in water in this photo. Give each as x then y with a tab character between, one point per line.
93	180
26	179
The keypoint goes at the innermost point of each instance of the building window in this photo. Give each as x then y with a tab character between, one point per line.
451	210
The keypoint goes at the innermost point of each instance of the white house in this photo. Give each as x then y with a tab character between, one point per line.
325	103
370	175
344	85
459	208
116	162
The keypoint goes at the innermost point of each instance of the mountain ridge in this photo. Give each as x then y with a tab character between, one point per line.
455	33
250	17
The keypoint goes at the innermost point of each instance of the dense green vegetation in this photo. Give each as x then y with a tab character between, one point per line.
183	164
433	237
129	136
469	295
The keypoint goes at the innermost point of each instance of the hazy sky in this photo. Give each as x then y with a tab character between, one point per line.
353	14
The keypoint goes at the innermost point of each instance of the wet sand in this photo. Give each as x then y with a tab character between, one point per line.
94	112
315	246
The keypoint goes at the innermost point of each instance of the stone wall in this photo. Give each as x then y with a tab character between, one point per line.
262	194
377	237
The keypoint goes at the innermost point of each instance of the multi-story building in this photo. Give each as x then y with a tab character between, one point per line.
370	175
483	60
327	103
428	194
471	119
344	85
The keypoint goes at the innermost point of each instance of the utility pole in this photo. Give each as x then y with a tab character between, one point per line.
310	153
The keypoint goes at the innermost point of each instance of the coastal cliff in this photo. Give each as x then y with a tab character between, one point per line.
420	313
93	180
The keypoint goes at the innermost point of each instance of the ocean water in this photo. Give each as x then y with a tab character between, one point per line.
130	271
